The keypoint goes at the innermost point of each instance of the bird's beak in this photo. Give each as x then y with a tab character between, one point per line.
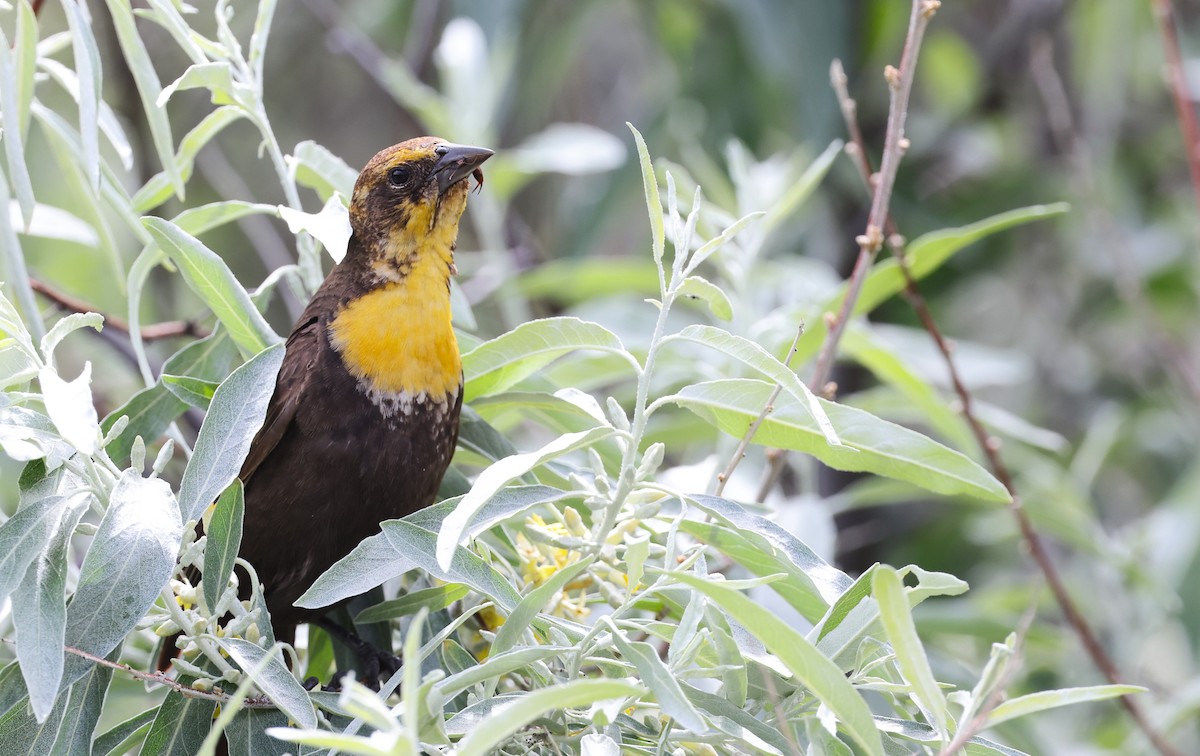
456	162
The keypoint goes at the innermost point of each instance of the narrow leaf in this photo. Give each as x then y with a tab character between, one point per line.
496	476
506	360
662	683
234	417
817	673
208	275
507	719
695	287
224	538
1052	699
653	203
69	404
901	632
880	447
275	680
757	358
130	560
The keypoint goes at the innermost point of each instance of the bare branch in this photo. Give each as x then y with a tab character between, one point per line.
767	409
167	330
990	446
1164	13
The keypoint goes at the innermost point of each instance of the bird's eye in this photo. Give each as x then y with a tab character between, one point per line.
399	176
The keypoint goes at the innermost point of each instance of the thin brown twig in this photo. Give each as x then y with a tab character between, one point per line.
166	330
990	445
1164	13
160	678
895	145
767	409
976	725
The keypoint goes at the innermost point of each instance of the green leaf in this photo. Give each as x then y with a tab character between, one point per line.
131	558
662	683
148	86
224	536
496	666
881	447
247	735
716	243
68	728
180	726
818	674
275	680
802	188
158	189
432	599
533	604
1052	699
506	360
150	411
87	65
513	715
121	738
896	617
733	720
208	275
924	255
70	407
401	547
923	733
234	417
653	203
193	391
67	325
695	287
14	145
27	534
197	220
765	548
500	473
215	77
25	65
319	169
757	358
40	615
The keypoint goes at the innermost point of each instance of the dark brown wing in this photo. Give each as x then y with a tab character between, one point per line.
303	350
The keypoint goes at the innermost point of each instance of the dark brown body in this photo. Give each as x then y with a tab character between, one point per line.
328	466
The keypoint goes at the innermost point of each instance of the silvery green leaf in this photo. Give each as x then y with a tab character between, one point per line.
121	738
331	226
26	435
598	744
224	534
234	417
87	65
69	405
150	411
491	480
572	148
180	726
68	728
14	145
27	534
275	680
65	326
215	77
49	222
534	603
40	613
401	547
316	167
662	683
131	558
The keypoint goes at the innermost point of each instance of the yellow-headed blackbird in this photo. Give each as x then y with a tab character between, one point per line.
364	417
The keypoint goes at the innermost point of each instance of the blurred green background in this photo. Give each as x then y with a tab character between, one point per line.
1080	327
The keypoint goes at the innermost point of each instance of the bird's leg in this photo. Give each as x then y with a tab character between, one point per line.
372	660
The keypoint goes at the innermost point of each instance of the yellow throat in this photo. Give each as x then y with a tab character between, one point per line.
397	339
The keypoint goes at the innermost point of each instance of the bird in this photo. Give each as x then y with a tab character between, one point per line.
364	417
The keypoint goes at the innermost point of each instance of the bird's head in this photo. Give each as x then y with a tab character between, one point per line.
408	200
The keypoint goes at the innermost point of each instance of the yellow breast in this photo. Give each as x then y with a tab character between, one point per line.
398	339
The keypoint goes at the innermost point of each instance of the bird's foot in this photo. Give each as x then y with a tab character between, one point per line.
374	662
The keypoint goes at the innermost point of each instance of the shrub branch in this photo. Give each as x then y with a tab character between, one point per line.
989	444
